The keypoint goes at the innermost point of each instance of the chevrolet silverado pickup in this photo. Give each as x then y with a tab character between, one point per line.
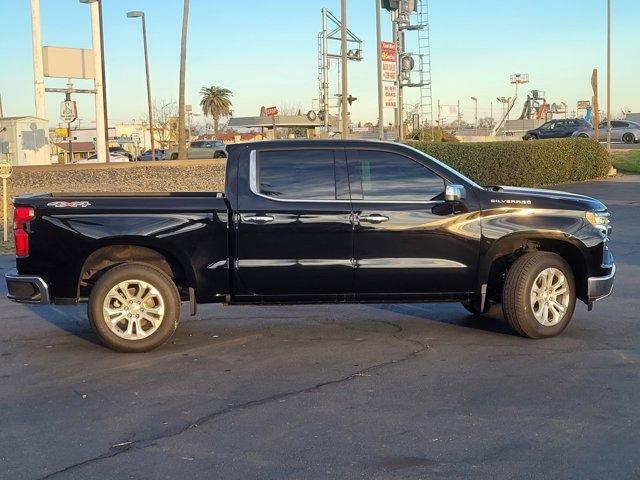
324	221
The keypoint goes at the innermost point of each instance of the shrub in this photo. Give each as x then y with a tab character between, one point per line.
523	164
432	135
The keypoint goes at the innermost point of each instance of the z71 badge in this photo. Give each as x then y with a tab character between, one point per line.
60	204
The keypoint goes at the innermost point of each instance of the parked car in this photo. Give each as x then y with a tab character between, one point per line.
201	149
621	131
313	221
113	157
555	129
120	151
146	155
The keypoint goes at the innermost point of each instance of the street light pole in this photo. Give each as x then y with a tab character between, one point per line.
475	100
138	14
38	68
344	61
609	75
380	88
182	144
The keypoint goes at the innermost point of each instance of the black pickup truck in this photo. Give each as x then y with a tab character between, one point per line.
313	221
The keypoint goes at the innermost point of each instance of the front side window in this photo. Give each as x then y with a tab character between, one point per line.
297	174
389	177
547	126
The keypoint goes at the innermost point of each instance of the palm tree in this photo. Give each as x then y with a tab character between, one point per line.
216	103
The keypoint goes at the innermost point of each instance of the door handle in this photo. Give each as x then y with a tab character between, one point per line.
374	218
257	218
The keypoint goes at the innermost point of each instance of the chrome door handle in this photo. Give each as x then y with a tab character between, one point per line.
257	218
375	218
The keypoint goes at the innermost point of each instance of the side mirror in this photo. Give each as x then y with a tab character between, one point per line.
454	193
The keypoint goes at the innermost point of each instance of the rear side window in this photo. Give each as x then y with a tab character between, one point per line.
388	177
297	174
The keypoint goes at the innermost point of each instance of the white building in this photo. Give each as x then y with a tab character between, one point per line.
25	140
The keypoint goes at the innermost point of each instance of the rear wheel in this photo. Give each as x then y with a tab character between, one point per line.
628	138
583	135
539	295
134	308
174	156
219	155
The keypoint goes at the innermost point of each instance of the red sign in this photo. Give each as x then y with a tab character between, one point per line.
271	111
389	60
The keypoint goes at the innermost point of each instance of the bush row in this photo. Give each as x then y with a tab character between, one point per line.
523	164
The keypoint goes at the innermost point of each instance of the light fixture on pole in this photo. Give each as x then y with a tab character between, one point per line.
102	122
475	100
139	14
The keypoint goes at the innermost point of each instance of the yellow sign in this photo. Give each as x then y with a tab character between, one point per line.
61	132
5	170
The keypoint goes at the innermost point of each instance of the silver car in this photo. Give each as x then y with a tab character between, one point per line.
200	149
621	131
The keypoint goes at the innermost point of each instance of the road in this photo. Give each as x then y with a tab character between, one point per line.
332	392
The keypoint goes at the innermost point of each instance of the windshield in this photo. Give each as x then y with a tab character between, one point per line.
454	172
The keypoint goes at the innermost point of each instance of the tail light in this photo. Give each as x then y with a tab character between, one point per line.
22	215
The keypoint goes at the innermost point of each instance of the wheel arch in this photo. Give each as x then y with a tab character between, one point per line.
505	251
108	255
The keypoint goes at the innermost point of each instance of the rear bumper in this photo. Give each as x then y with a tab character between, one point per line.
601	287
27	288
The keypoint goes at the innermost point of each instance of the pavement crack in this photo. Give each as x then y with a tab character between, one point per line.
171	433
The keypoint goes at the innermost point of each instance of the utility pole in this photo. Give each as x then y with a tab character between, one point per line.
380	88
38	67
138	14
102	132
325	70
344	61
182	144
609	75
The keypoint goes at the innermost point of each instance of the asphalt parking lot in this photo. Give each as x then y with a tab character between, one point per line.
332	392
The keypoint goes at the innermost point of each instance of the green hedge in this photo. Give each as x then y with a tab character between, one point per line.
524	164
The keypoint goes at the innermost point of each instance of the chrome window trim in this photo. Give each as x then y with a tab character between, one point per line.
253	186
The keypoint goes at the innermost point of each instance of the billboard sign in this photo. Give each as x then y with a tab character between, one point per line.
271	111
390	96
389	60
68	62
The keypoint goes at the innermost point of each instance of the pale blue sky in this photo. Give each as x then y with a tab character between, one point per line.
266	51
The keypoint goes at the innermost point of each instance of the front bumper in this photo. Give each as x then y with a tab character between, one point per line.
27	288
600	287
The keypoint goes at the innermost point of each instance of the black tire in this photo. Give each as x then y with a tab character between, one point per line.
469	307
134	271
529	136
583	135
516	294
628	138
174	156
219	155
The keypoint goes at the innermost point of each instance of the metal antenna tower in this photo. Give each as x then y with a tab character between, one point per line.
424	52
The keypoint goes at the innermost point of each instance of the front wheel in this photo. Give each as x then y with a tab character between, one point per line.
529	136
628	138
539	295
134	308
174	156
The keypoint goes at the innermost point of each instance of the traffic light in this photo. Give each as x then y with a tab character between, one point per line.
391	4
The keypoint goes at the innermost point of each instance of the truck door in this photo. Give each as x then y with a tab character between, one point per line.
409	241
294	230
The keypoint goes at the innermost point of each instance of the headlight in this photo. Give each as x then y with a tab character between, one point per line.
598	219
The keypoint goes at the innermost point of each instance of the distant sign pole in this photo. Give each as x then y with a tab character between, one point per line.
273	113
5	173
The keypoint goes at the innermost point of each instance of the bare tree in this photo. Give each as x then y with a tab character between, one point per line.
165	122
